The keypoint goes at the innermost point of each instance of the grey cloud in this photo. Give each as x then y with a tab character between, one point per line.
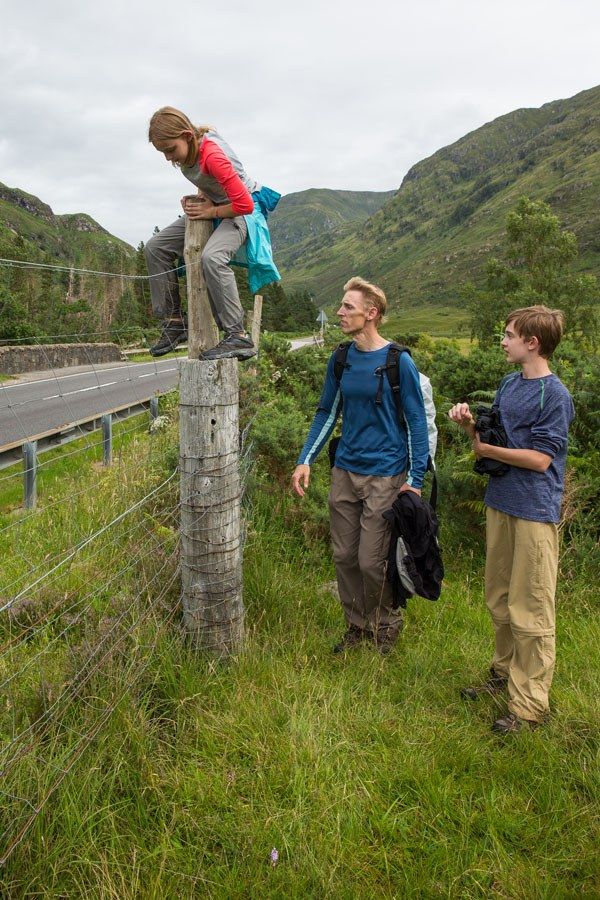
334	94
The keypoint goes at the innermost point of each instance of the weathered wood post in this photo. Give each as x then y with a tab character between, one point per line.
257	315
211	546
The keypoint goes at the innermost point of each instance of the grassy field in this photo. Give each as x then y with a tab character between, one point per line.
368	776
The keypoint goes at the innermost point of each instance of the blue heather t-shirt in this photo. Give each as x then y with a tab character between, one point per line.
536	414
372	441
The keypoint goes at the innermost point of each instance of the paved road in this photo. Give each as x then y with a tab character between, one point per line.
51	401
48	401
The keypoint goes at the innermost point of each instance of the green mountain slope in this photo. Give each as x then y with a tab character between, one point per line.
30	230
51	301
448	215
319	212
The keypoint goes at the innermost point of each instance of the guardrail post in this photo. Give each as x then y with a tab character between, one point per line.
30	473
211	546
154	407
107	446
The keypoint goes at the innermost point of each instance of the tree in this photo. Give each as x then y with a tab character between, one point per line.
538	269
14	324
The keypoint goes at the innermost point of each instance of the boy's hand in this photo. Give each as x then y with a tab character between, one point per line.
461	414
300	479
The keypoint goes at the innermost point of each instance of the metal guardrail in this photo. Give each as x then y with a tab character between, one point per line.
27	449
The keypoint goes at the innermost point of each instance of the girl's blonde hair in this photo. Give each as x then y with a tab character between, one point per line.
168	124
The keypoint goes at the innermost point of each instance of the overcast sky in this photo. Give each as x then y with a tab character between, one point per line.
310	94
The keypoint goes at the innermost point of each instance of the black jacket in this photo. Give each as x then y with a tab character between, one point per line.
415	560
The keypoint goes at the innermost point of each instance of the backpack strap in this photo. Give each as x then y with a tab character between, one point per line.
339	360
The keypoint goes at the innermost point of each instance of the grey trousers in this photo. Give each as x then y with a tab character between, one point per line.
162	251
360	538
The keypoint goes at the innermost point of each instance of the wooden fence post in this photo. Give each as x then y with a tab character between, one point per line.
202	328
211	545
258	302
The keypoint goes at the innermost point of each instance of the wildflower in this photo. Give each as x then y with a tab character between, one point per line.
274	856
159	424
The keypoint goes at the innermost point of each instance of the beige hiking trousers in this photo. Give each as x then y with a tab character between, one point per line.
520	583
360	538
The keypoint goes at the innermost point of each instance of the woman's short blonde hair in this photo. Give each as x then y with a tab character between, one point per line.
372	295
168	124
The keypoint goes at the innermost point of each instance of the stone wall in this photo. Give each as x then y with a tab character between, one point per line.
39	358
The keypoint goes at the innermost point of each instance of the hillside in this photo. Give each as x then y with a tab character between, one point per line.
30	230
319	212
46	301
449	214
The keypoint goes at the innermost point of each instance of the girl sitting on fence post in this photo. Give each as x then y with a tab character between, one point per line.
238	206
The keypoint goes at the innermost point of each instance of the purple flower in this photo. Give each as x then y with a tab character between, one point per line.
274	856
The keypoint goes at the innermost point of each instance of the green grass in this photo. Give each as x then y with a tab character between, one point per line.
369	775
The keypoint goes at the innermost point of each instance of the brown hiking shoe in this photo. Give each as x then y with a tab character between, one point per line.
511	724
353	637
386	639
495	684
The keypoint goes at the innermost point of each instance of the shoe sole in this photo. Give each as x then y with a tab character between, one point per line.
231	354
170	349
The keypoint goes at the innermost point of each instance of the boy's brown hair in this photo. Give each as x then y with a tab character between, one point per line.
372	294
545	324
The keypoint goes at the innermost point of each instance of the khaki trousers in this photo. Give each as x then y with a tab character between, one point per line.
360	538
520	583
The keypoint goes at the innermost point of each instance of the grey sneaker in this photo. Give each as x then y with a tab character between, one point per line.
233	346
173	333
353	637
495	684
511	724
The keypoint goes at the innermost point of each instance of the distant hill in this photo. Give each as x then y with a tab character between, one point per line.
29	228
448	216
319	212
51	299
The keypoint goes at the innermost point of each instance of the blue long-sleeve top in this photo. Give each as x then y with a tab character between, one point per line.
536	414
373	442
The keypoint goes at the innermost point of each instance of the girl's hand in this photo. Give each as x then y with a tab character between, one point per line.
198	208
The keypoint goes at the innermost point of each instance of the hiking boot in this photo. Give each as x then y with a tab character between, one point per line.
173	333
495	684
353	637
233	346
386	640
511	724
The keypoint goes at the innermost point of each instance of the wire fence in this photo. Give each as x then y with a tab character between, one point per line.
78	629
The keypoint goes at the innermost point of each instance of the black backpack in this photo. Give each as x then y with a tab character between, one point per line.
392	370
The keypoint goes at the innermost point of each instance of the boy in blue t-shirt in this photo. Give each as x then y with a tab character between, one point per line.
523	512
